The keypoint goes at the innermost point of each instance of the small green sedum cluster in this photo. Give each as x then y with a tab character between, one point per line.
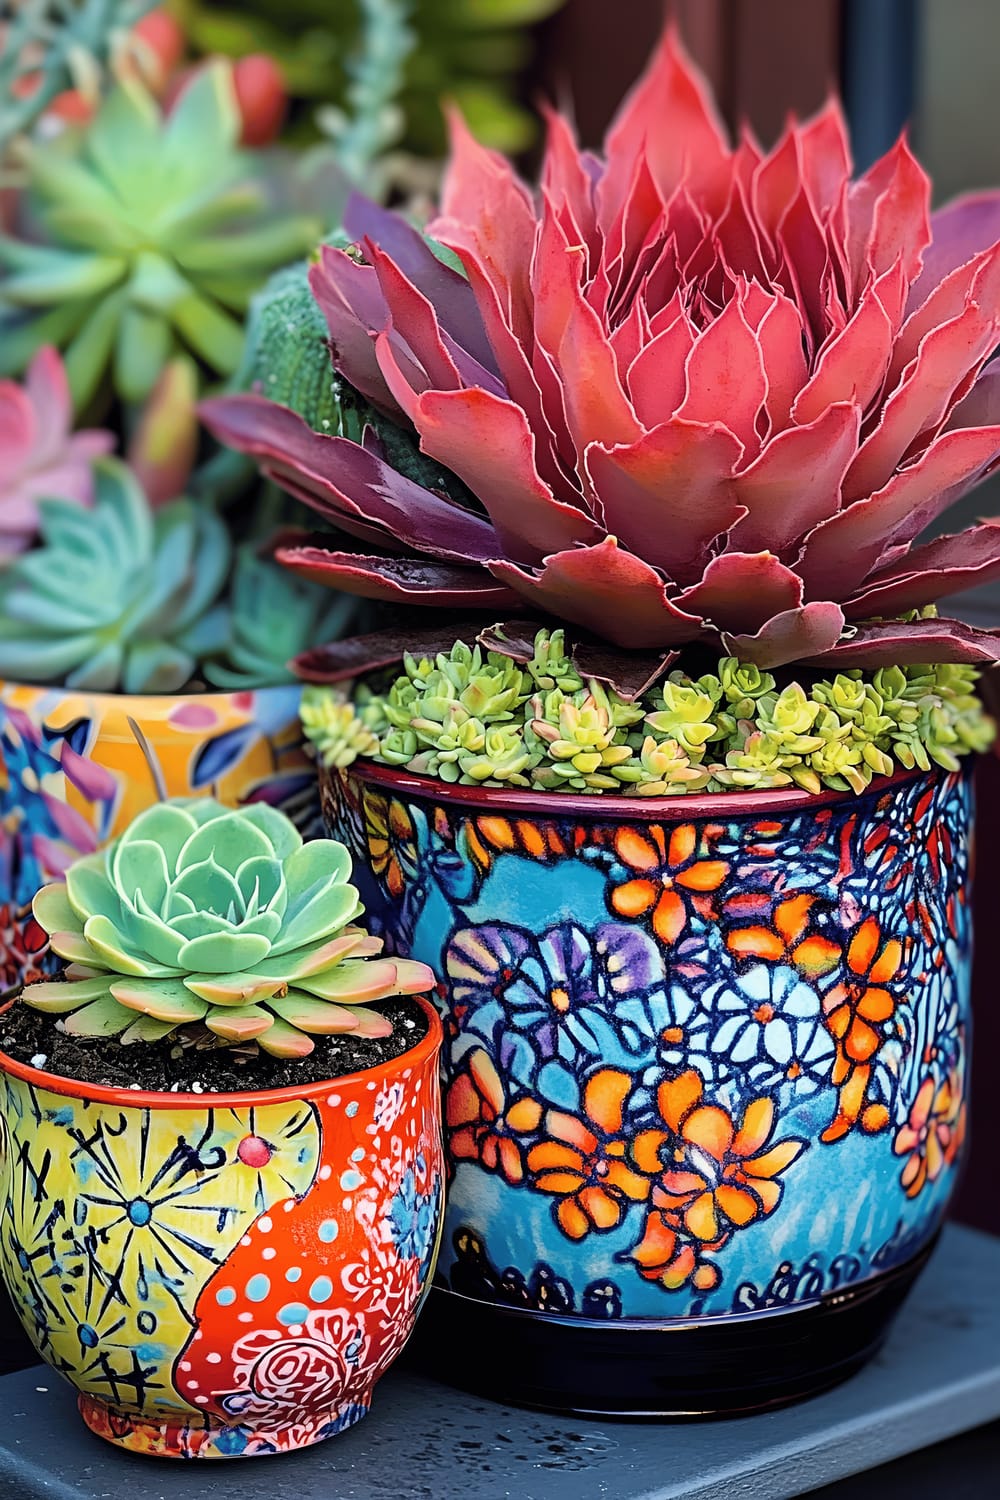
477	718
199	915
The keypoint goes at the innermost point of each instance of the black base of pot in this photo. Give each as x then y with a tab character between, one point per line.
711	1368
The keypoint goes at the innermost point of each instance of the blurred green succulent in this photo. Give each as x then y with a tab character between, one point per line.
116	596
147	232
335	729
273	615
201	915
472	716
471	51
52	45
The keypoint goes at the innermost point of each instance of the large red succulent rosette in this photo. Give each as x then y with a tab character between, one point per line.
696	392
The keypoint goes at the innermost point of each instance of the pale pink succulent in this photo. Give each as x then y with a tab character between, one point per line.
696	392
41	457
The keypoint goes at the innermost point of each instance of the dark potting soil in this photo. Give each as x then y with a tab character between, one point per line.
191	1063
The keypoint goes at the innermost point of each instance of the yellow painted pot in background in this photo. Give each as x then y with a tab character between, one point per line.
76	767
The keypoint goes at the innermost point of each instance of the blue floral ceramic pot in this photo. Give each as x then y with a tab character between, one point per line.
704	1075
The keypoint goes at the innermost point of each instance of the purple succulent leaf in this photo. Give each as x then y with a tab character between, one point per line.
902	643
367	489
444	288
399	579
946	565
342	660
961	229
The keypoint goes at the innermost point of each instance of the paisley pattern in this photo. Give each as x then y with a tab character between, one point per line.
684	1058
220	1281
75	769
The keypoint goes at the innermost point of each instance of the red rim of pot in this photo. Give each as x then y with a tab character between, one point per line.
418	1054
601	807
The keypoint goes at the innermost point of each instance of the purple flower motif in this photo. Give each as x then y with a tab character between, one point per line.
550	1006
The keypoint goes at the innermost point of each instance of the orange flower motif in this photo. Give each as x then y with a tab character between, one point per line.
857	1011
583	1160
928	1139
716	1175
391	841
545	842
663	1255
484	1124
787	940
670	874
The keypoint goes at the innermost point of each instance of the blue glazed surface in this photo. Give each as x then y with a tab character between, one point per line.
692	1068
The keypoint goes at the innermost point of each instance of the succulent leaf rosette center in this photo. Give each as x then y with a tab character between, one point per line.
200	914
695	392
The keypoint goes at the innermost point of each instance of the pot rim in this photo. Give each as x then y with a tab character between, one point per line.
99	1093
600	807
193	695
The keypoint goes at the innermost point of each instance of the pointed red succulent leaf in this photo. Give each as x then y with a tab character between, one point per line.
607	590
924	397
742	591
683	468
796	481
473	432
960	230
795	635
845	548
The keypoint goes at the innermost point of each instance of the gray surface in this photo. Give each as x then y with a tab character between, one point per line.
939	1375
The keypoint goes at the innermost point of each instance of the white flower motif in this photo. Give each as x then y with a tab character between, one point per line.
771	1029
684	1040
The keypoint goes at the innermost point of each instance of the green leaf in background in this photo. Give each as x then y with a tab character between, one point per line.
469	50
138	218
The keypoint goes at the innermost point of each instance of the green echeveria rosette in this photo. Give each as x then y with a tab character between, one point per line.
118	596
273	615
149	232
202	915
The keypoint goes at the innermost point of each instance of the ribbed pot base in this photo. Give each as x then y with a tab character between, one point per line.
719	1366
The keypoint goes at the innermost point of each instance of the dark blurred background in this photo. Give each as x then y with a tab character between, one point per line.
928	64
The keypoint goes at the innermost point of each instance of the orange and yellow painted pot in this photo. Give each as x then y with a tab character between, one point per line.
226	1275
76	767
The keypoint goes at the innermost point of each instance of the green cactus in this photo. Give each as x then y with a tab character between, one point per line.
287	358
273	615
154	231
202	916
117	596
